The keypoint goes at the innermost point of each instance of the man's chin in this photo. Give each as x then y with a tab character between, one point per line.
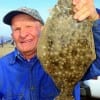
28	50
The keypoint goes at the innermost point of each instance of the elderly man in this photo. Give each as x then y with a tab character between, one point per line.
22	76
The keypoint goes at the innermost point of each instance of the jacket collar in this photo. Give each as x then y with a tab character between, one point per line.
18	55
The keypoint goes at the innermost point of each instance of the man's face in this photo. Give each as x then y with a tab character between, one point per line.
25	32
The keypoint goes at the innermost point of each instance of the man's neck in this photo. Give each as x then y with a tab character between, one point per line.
29	55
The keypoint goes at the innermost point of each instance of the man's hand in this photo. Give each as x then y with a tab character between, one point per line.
85	9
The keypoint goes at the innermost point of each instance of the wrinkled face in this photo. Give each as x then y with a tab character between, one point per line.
25	32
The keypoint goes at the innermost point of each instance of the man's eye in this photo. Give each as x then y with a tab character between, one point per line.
28	26
16	29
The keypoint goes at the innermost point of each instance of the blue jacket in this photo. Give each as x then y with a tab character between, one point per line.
24	80
94	69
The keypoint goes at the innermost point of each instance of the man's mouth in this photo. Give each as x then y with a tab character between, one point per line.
26	41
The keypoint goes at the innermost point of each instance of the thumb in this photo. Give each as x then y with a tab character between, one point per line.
75	2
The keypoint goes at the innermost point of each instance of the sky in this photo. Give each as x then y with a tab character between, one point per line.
43	6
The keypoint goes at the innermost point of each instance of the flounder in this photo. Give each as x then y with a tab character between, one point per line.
66	48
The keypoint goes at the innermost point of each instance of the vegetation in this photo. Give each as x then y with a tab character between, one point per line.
6	49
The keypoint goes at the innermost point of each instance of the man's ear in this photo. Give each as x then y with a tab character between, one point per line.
42	27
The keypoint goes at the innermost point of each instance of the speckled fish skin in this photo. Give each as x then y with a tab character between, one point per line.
66	48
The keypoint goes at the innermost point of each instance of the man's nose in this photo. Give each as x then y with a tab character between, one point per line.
23	33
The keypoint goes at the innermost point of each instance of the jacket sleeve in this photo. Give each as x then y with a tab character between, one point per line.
98	11
96	35
1	82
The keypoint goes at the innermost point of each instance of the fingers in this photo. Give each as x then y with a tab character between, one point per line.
84	9
75	2
79	5
82	14
85	13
